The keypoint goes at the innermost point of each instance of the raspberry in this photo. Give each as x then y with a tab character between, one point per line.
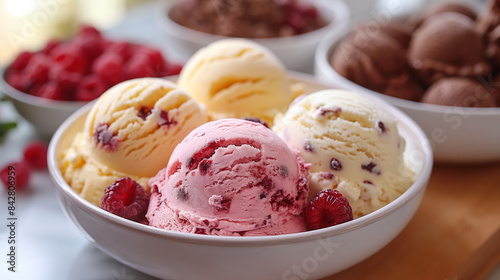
121	48
89	30
108	67
157	62
17	81
138	66
50	91
34	89
16	174
70	58
65	80
90	88
21	61
90	41
36	154
126	198
51	45
37	69
296	21
327	208
308	11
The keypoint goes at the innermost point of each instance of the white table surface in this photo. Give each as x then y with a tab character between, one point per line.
49	246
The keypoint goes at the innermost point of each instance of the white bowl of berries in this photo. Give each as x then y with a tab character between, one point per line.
48	85
290	29
169	254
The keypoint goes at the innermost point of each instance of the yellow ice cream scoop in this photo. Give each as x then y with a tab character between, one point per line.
237	78
131	131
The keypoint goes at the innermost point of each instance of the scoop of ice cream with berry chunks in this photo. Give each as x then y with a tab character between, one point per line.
334	156
230	177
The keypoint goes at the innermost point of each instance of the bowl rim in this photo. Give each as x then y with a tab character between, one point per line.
419	185
322	58
18	95
337	21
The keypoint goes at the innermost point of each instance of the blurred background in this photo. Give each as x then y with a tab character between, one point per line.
29	24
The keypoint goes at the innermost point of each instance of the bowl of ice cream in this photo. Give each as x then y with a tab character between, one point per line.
46	86
194	24
158	172
182	242
451	92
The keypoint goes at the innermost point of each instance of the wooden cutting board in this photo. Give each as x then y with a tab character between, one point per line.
459	212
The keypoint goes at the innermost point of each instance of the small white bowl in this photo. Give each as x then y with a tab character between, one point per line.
296	52
45	115
176	255
457	134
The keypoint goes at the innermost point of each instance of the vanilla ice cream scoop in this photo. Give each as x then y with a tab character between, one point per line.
237	78
130	131
352	145
135	126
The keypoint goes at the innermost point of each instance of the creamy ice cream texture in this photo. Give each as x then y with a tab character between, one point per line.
237	78
462	92
352	144
376	59
230	177
130	131
447	45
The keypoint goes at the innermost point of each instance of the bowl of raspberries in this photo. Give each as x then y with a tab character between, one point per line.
47	85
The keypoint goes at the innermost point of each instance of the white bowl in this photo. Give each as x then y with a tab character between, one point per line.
457	134
296	52
45	115
176	255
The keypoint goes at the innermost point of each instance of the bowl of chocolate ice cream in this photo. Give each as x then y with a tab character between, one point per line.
441	68
291	29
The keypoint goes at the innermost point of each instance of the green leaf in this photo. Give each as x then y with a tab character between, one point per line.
5	127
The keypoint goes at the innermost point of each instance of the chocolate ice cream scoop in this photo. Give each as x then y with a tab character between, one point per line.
494	87
461	92
398	30
372	60
493	47
452	7
447	45
490	20
440	8
410	90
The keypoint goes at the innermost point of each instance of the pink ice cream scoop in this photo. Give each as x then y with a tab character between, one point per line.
231	177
